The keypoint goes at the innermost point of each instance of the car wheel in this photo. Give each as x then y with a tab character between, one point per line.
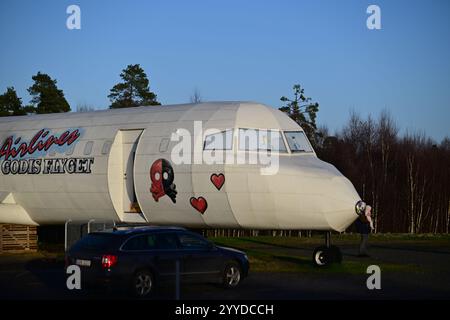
232	275
143	283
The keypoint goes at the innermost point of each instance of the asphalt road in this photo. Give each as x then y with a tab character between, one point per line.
33	276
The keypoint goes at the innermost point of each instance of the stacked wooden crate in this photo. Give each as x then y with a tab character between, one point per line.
17	238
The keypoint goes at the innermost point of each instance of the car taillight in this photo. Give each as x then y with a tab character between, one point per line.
108	261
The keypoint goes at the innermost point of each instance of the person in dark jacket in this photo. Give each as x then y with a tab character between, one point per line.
364	225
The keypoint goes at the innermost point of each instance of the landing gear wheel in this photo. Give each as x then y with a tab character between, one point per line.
324	256
321	256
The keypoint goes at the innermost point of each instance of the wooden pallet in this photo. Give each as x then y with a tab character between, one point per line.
17	238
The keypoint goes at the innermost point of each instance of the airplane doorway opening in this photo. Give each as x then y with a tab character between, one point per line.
121	175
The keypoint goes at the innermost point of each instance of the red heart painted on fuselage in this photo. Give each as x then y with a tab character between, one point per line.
199	204
218	180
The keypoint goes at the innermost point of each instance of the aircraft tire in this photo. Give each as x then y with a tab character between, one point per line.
322	256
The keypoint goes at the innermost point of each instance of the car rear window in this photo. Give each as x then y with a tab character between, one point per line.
97	241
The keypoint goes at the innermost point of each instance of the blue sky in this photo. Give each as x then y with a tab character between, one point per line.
242	50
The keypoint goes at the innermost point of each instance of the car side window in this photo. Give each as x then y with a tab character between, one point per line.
188	241
166	241
144	242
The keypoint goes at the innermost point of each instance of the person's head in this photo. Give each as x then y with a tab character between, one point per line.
368	210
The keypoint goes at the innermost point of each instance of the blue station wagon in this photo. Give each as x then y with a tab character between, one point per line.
140	258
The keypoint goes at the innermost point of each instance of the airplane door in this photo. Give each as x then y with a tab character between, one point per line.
121	182
130	139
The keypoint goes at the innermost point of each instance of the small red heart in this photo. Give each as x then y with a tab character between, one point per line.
218	180
199	204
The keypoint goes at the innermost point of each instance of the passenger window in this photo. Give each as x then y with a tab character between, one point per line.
70	150
106	147
188	241
166	241
88	148
164	145
219	141
145	242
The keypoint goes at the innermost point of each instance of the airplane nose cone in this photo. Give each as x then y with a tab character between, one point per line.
305	194
340	212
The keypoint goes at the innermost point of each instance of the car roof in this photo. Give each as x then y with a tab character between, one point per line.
139	230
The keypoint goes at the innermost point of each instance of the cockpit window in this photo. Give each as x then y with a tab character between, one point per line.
219	141
297	141
261	139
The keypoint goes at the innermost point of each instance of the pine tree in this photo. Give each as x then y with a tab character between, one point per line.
11	104
303	111
47	98
134	91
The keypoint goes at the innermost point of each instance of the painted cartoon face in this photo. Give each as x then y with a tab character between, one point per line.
162	176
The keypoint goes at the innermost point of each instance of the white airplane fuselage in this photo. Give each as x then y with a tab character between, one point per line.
118	165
